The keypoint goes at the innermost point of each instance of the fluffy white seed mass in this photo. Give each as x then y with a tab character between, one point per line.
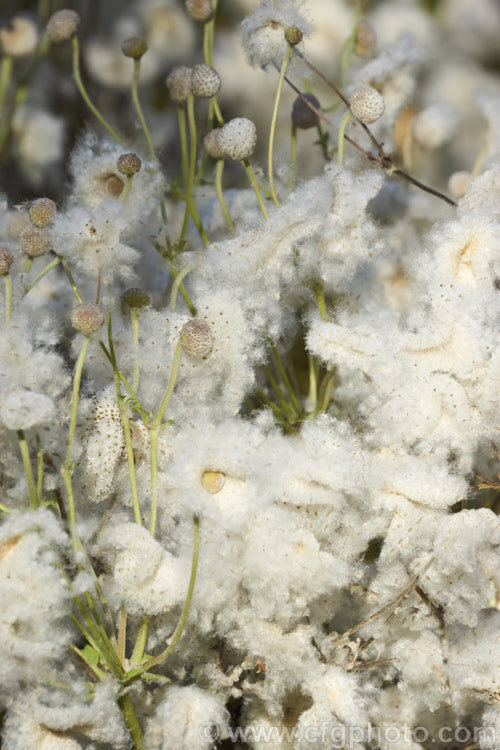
237	139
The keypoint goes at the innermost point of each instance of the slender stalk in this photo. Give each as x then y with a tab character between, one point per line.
219	169
320	298
83	91
153	435
71	281
253	182
39	478
134	318
131	462
190	205
140	644
125	190
53	263
5	73
138	108
175	288
187	604
122	635
217	111
130	718
8	297
23	445
181	114
342	128
187	299
293	166
312	397
273	123
286	381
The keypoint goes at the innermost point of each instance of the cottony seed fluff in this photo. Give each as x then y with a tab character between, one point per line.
42	211
237	139
128	164
87	318
62	25
197	339
6	260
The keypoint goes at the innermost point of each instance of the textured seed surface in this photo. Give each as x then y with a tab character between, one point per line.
205	81
367	105
87	318
179	84
237	138
42	211
197	339
128	164
34	241
6	260
62	25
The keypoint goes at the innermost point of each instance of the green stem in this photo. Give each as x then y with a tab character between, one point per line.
171	384
138	108
187	299
83	92
187	604
190	205
23	445
130	462
53	263
71	281
8	297
253	182
5	73
219	169
320	298
134	317
323	140
176	285
217	111
313	383
140	644
125	190
293	167
39	478
286	381
130	718
74	408
342	128
181	114
273	123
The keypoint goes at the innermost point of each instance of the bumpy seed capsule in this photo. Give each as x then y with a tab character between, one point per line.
197	339
42	211
34	241
135	47
87	318
200	10
237	139
179	84
136	298
213	481
6	260
205	81
303	116
293	35
367	105
19	37
366	39
211	144
62	25
128	164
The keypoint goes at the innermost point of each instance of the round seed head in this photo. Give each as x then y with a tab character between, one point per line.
19	37
303	116
205	81
128	164
62	25
458	184
367	105
87	318
6	260
136	298
179	84
366	39
293	35
211	144
237	139
200	10
34	241
135	47
42	211
197	339
113	186
213	481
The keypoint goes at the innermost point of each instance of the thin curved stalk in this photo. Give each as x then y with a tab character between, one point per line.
5	73
342	128
83	91
138	108
220	193
175	288
23	446
273	124
53	263
253	182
